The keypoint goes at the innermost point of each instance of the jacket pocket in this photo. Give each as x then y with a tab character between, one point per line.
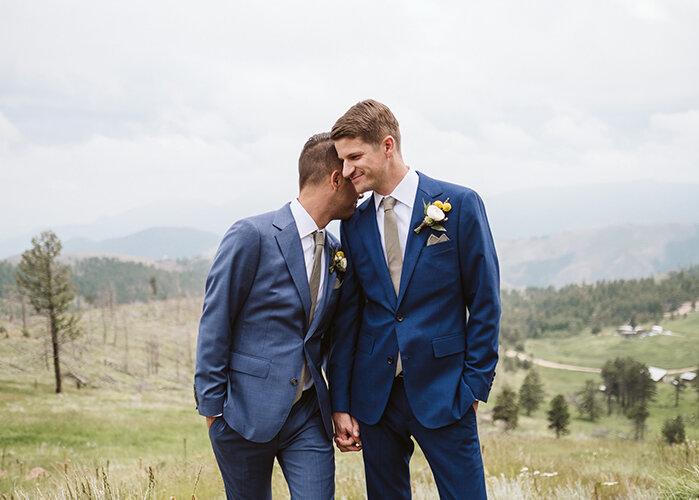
448	345
252	365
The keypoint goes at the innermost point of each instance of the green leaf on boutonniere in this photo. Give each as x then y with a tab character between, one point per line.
438	227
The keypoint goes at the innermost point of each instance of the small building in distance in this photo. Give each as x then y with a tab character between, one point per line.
626	331
656	374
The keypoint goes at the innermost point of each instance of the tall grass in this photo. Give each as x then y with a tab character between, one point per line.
134	433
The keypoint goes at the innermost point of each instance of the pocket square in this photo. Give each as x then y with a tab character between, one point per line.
433	240
337	283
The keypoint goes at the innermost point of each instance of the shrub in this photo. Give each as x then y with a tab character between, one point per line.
673	430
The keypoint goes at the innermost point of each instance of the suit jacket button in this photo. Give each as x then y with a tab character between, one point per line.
389	360
399	318
294	381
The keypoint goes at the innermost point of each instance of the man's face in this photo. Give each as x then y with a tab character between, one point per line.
346	199
364	164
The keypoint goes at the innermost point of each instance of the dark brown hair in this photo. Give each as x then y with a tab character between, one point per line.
318	160
369	121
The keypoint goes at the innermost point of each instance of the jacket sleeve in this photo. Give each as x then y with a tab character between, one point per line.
227	287
345	328
480	279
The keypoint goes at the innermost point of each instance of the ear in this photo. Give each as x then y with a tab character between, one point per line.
336	179
388	145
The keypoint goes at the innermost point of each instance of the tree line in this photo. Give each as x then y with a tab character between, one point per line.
548	312
100	279
529	313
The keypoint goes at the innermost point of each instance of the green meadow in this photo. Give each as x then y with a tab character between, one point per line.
133	432
676	351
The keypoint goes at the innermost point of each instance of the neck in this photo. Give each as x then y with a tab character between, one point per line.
316	208
396	172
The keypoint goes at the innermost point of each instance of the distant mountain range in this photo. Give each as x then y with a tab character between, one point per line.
152	243
615	252
544	237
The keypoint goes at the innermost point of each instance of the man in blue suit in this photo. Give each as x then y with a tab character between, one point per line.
416	339
270	296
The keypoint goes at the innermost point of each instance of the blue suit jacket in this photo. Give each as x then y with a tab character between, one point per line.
254	329
445	319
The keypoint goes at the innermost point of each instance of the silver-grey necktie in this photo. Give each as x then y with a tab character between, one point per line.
394	254
314	285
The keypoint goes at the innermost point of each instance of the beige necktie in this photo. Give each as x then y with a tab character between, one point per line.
314	285
394	255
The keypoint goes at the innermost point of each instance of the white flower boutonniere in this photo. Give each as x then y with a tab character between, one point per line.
338	261
435	215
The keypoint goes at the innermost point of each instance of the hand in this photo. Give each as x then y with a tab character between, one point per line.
475	406
346	432
209	421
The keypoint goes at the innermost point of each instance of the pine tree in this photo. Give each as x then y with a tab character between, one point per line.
559	416
531	393
679	385
589	405
48	286
506	408
638	414
673	430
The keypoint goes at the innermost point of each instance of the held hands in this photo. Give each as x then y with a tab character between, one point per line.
346	432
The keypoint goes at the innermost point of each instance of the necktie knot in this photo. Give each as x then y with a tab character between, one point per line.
319	238
388	203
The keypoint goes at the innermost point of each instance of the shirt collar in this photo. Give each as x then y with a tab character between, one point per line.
405	191
304	222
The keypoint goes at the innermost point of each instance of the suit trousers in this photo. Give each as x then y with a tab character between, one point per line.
302	449
453	453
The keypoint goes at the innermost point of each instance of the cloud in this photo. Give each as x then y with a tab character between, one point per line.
105	107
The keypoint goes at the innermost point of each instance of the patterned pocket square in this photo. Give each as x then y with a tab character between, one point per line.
433	240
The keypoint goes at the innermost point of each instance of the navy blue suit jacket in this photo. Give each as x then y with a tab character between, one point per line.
445	319
254	331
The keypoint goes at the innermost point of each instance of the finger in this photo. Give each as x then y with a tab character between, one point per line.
344	441
347	444
345	449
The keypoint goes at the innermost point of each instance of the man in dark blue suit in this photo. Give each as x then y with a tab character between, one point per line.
270	296
416	336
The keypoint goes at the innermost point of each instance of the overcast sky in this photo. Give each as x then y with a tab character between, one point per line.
106	106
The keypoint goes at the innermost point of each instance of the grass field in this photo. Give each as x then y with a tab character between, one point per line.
134	433
679	350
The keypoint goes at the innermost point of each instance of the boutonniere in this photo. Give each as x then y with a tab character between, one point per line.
435	215
338	261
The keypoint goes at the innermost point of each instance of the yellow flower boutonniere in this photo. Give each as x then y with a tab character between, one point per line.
338	261
435	215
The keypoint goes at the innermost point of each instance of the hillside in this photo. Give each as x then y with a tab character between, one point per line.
586	256
671	352
154	243
615	252
134	429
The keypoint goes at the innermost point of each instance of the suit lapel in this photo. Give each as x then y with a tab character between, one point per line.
290	246
368	232
427	191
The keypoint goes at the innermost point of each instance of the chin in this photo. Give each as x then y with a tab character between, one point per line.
361	185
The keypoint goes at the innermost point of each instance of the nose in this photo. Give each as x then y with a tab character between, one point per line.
347	169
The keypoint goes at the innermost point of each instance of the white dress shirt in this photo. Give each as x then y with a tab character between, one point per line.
306	226
404	193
